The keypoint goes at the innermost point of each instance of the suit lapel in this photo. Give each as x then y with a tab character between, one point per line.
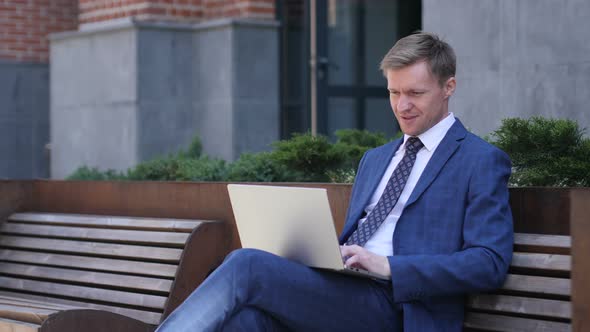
374	172
381	162
443	152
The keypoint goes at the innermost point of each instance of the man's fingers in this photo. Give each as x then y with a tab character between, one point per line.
350	250
352	261
356	256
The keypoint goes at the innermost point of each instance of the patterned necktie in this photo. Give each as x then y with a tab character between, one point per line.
390	195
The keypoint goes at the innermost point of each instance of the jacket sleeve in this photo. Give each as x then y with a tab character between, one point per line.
483	261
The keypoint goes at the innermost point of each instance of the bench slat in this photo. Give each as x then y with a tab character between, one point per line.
559	263
86	277
77	262
86	293
538	285
144	316
499	323
540	243
29	314
92	234
521	305
8	325
168	255
11	300
153	224
92	263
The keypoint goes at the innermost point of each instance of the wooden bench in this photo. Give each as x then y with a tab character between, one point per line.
67	272
537	293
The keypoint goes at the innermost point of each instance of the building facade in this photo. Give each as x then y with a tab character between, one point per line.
518	58
111	83
140	79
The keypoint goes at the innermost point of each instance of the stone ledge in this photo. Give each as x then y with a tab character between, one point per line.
131	23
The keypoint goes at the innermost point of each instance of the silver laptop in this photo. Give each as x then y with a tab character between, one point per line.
291	222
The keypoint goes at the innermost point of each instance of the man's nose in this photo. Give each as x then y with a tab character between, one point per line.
404	104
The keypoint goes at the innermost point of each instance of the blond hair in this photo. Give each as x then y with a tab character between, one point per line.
422	46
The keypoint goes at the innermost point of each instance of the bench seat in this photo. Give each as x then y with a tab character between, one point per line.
115	273
536	295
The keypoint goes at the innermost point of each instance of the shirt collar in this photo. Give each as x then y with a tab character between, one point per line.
433	136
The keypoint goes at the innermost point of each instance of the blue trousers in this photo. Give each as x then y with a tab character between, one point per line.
257	291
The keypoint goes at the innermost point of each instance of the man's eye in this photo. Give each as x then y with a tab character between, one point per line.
418	93
393	93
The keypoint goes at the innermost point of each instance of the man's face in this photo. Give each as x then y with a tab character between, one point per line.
418	100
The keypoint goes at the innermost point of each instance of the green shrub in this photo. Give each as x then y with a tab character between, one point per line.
302	158
258	167
353	143
202	169
545	152
85	173
195	149
175	168
163	169
356	137
342	175
307	158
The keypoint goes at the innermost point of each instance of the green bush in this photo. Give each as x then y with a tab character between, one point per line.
258	167
303	158
307	158
545	152
94	174
342	175
353	143
194	149
202	169
163	169
178	168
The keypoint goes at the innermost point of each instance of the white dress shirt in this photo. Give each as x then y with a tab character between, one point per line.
381	241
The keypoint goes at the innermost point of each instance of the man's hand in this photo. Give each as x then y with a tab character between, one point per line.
360	257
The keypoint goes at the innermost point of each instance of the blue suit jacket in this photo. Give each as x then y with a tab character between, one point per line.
455	234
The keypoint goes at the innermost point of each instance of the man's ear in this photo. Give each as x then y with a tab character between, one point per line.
449	87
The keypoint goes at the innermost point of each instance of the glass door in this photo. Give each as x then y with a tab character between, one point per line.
347	43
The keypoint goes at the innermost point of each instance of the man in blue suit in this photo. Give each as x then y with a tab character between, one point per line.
429	210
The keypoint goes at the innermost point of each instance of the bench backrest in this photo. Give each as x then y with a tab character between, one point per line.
120	264
537	293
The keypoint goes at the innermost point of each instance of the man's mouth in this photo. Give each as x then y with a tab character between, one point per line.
408	117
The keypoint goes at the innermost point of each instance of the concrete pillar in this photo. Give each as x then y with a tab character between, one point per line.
132	90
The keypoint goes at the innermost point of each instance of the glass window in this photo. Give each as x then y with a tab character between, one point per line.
379	116
341	114
343	42
379	21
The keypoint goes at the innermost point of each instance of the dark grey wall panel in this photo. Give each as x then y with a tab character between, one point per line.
24	120
165	85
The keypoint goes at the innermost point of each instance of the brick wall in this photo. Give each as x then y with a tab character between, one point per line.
170	10
25	24
262	9
174	10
